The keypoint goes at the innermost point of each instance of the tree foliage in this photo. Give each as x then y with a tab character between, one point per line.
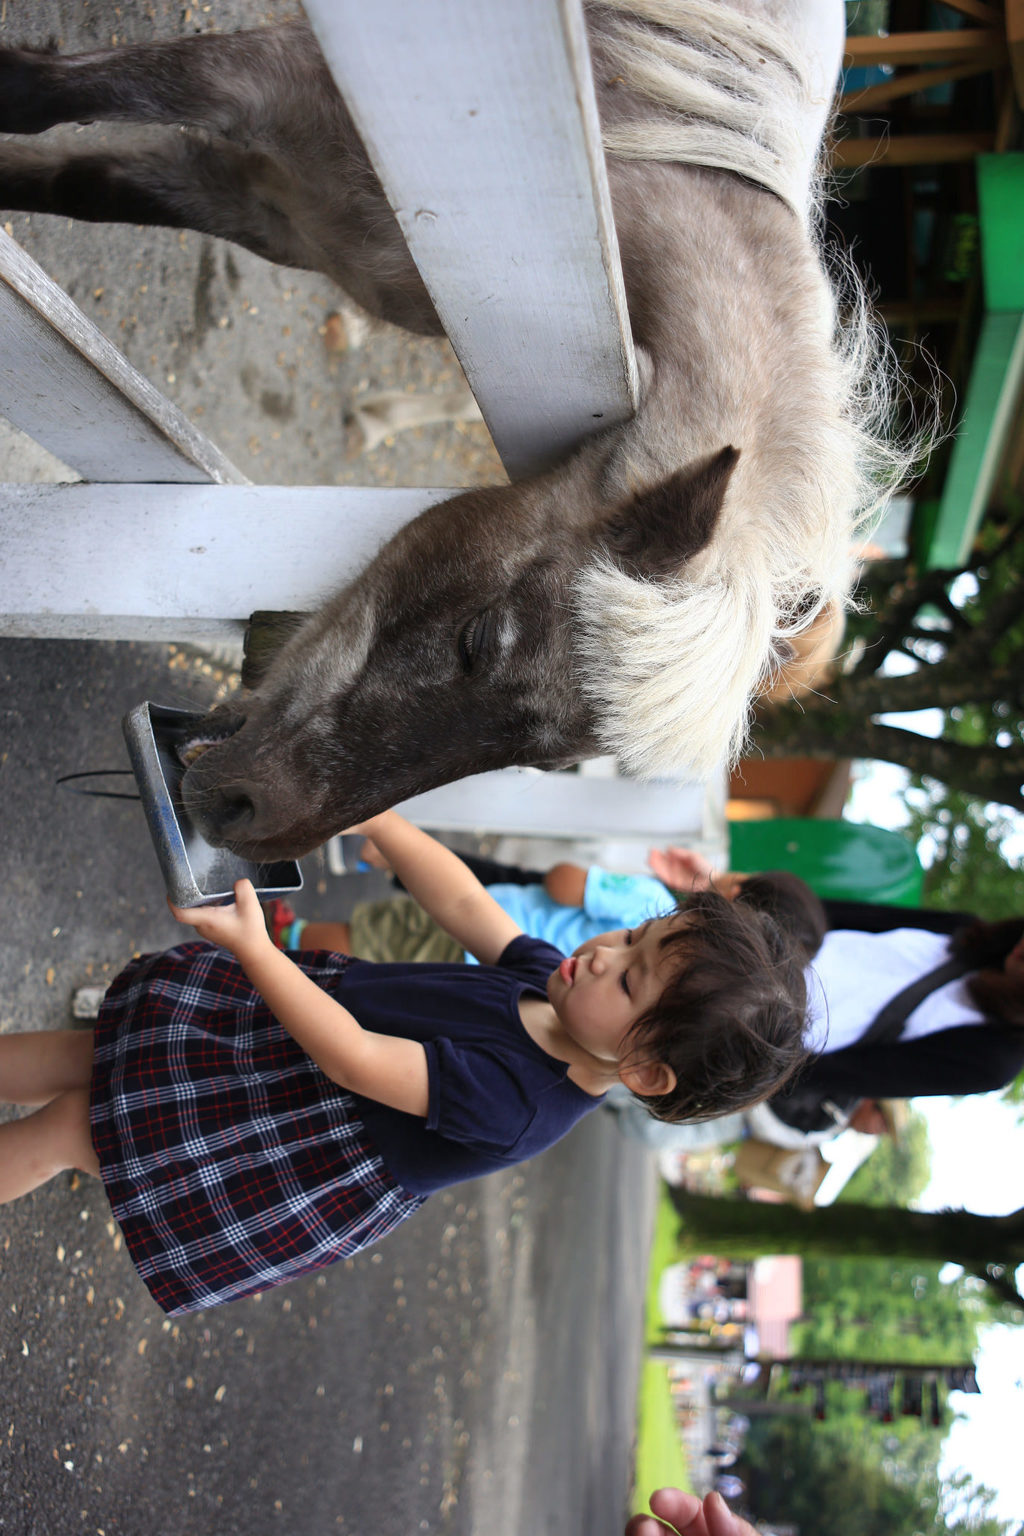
875	1309
1013	1093
851	1477
964	838
959	637
897	1172
827	1482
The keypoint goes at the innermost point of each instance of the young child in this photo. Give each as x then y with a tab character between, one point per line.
253	1119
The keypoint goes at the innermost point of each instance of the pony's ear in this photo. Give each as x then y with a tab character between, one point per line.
659	529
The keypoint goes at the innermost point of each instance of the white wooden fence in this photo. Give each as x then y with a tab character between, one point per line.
482	125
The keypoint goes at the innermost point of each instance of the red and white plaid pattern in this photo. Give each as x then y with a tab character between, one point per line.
231	1162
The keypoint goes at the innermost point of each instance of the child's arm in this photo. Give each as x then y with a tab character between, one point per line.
440	882
386	1068
566	884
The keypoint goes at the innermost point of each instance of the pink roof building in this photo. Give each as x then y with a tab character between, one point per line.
774	1301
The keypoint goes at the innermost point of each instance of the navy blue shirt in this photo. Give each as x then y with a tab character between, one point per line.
495	1097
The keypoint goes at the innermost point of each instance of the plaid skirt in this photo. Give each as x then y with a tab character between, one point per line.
231	1162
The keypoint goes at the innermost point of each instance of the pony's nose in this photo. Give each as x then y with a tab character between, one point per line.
229	811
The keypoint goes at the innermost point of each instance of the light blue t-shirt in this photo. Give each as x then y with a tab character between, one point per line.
610	901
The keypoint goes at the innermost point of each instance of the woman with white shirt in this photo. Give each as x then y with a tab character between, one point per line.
910	1012
905	1003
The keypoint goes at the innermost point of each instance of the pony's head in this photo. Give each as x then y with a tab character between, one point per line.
471	642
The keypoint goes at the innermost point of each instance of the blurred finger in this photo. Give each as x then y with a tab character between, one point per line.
658	864
721	1521
645	1525
682	1511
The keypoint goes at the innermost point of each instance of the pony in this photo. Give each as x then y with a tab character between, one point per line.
639	596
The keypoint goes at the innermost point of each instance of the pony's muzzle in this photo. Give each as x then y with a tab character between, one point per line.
229	813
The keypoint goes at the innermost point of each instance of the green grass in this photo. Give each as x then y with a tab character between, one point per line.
660	1458
664	1251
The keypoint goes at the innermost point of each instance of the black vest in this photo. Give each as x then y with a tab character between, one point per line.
802	1106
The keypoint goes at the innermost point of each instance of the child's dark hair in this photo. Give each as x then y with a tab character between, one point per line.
793	905
730	1022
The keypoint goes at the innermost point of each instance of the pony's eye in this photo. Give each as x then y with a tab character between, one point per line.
473	642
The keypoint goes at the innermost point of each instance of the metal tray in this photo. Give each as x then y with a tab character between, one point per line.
196	874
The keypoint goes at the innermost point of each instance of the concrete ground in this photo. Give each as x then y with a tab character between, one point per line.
477	1372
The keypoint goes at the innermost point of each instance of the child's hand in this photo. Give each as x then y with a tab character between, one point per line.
681	869
683	1512
239	927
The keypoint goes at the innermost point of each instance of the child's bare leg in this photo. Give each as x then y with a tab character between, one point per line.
55	1138
37	1065
333	936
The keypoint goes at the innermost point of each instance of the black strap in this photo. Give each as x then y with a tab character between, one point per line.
888	1024
98	773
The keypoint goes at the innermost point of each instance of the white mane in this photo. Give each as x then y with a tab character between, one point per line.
672	667
734	96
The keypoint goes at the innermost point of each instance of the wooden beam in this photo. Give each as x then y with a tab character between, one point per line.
1015	42
914	312
911	149
977	10
874	96
925	47
481	122
69	388
104	562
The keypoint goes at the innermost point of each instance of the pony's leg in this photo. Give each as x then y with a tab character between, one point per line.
181	183
37	1065
279	167
54	1139
250	84
255	83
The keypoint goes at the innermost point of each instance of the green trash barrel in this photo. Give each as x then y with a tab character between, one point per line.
838	859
